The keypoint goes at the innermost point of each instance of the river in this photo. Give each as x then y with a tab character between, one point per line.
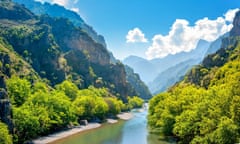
133	131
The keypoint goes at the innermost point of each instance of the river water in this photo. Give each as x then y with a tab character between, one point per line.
133	131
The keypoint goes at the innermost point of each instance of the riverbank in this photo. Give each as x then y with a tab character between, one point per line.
64	134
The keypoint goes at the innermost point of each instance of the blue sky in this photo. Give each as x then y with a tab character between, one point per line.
154	28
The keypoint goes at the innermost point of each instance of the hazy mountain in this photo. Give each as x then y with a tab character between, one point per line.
134	79
215	45
171	60
154	71
171	75
146	70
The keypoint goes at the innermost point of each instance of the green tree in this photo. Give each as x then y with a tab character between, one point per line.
101	108
135	102
84	106
114	105
69	88
5	137
18	90
226	132
26	124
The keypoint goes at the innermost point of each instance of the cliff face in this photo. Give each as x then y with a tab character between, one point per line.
236	25
58	50
57	11
135	81
5	109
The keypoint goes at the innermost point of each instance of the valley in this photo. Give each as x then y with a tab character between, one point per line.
61	82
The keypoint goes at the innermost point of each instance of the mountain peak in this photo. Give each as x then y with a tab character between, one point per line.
236	25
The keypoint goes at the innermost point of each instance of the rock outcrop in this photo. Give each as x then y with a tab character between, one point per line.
236	25
5	109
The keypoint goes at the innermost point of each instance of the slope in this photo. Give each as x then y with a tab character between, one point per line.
58	50
204	107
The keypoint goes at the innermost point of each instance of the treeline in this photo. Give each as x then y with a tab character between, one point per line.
39	109
198	114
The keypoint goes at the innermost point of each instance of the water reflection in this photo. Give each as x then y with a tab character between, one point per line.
133	131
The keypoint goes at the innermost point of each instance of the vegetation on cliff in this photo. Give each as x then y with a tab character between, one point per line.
53	74
204	107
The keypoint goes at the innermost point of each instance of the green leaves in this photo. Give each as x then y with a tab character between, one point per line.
18	90
5	137
199	113
135	102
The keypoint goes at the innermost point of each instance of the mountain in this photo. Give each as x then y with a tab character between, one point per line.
146	70
204	106
57	11
183	62
171	60
137	83
54	74
58	50
215	45
171	75
161	73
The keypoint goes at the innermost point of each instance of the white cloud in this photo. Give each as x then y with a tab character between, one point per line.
61	2
75	10
230	14
183	37
136	35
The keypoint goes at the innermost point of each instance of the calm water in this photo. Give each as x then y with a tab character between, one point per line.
133	131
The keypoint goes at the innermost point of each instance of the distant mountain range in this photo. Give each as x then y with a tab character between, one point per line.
161	73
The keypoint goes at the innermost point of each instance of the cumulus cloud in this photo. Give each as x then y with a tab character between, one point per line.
229	16
136	35
183	37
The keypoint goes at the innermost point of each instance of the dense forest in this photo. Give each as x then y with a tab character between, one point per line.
39	109
205	106
54	74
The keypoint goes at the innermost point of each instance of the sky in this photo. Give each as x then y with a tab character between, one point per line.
154	28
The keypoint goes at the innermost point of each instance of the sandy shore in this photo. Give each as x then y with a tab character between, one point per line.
125	116
60	135
63	134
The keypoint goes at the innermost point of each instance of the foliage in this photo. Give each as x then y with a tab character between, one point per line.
5	137
89	107
114	105
69	88
18	90
198	113
135	102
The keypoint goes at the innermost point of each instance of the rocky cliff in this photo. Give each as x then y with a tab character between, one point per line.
57	11
58	50
236	25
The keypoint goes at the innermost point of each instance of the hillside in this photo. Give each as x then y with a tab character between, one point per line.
58	50
53	74
60	12
57	11
204	107
138	85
